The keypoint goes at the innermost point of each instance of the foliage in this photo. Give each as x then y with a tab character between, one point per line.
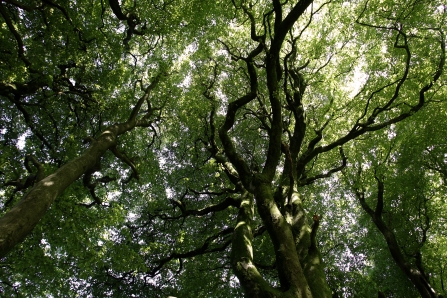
251	126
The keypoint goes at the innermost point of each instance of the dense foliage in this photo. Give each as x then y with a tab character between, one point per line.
222	148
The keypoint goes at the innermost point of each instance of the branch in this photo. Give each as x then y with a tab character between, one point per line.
414	274
229	149
131	18
222	160
87	181
15	34
254	36
196	252
40	170
64	12
123	157
229	201
379	205
144	98
313	233
310	180
242	251
360	129
116	8
287	24
29	181
30	124
277	8
21	219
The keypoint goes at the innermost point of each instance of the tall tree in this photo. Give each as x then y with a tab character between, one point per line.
211	139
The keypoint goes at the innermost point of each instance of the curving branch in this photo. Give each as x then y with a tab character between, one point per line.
123	157
18	38
228	146
215	151
40	169
62	9
204	249
32	178
131	18
145	98
416	276
254	36
309	180
87	181
361	128
223	205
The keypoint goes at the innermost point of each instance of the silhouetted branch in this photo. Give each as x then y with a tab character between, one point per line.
198	251
310	180
229	201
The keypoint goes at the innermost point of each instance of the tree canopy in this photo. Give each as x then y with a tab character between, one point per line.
223	148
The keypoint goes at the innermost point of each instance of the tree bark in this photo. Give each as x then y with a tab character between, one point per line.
290	271
251	280
18	222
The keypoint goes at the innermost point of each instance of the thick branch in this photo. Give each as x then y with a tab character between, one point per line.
116	8
288	22
290	271
131	19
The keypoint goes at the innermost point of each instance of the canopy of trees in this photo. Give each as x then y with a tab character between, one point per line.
223	148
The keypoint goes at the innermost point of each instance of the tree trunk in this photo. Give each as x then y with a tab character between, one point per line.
298	261
18	222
